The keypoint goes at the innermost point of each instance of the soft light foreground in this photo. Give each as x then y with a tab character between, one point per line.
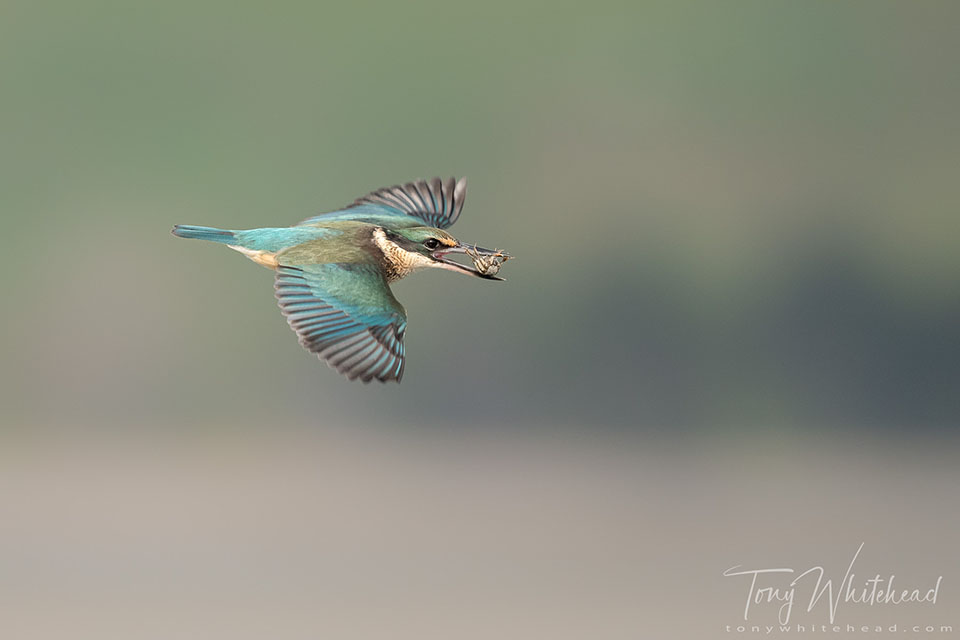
330	532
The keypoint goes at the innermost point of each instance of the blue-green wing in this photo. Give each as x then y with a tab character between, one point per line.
347	315
434	203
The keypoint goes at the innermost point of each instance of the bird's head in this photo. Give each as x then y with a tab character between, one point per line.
431	248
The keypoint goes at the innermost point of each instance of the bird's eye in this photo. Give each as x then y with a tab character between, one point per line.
431	243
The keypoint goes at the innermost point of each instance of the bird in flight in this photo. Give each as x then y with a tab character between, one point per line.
333	270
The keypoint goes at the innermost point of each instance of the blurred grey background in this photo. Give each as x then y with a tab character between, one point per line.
736	227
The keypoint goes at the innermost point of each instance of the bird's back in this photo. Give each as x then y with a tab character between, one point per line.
344	242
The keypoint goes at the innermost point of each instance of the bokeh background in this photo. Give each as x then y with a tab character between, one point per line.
731	335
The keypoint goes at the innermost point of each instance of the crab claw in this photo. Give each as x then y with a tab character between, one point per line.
474	252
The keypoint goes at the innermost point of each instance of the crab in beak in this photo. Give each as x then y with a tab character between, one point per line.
486	262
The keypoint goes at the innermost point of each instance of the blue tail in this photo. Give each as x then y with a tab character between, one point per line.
204	233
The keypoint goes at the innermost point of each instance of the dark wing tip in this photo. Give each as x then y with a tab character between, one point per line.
436	202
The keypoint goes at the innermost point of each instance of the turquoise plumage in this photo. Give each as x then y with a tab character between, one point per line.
333	270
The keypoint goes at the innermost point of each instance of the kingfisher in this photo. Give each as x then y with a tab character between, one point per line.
334	270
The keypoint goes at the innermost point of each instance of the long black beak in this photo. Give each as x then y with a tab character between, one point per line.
441	257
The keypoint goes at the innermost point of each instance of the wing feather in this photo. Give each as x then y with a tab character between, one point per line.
347	316
435	203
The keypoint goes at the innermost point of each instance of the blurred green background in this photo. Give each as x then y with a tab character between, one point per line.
725	214
735	223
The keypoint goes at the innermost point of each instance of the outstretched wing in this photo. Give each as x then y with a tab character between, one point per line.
347	315
434	203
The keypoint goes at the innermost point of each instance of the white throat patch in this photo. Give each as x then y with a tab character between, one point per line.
399	261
